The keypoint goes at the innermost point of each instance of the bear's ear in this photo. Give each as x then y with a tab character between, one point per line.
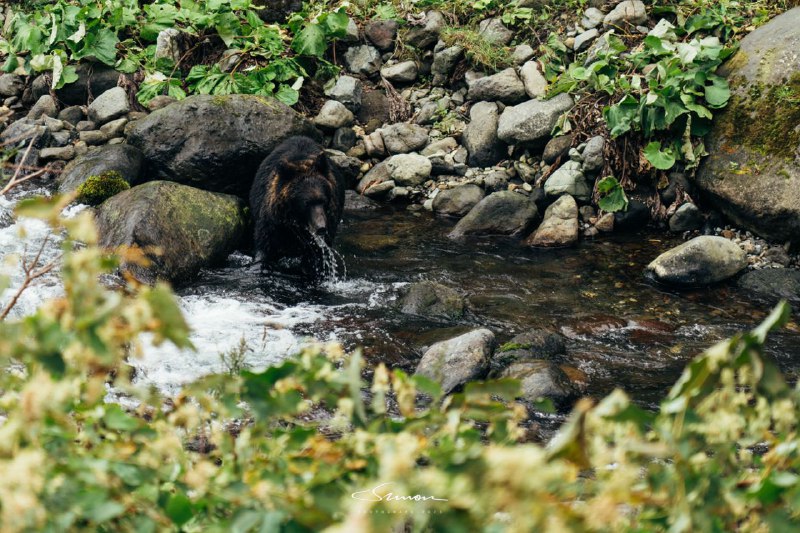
321	163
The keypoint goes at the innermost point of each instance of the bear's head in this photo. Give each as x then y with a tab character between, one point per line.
307	189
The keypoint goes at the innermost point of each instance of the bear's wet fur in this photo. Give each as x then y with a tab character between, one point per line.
297	197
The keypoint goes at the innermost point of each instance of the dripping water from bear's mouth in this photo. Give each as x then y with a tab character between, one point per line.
329	260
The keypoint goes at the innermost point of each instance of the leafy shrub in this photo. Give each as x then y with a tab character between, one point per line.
306	445
97	189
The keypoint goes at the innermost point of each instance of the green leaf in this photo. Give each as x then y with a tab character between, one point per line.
621	117
662	160
117	419
287	94
336	23
310	41
179	508
613	196
718	94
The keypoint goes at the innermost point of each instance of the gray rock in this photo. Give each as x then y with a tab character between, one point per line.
496	181
402	138
444	61
93	137
494	31
457	361
351	33
344	139
376	175
585	39
480	135
6	218
191	228
93	78
556	147
772	285
404	72
753	171
349	168
446	145
11	85
632	12
162	100
169	45
541	379
375	110
334	115
85	125
568	179
72	114
21	132
122	158
505	86
686	218
522	53
592	18
380	190
356	202
500	213
600	47
115	128
457	201
363	59
533	80
110	105
64	153
373	144
560	225
60	138
409	169
381	33
701	261
532	121
532	345
215	142
44	106
426	35
593	159
347	90
431	299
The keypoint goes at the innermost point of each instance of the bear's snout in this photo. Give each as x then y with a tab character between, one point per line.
319	223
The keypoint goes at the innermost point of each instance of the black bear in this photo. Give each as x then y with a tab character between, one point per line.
296	201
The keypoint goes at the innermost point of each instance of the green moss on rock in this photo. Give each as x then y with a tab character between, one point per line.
97	189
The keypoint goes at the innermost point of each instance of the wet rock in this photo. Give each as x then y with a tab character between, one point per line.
556	147
687	218
444	61
44	106
11	85
215	142
585	39
568	179
64	153
376	175
541	379
560	225
347	90
334	115
701	261
494	31
110	105
409	169
593	160
631	12
191	228
480	135
363	59
402	138
593	326
344	139
457	201
121	158
500	213
636	217
404	72
356	202
431	299
772	285
605	223
381	33
533	80
457	361
528	346
532	121
753	171
72	114
426	35
505	86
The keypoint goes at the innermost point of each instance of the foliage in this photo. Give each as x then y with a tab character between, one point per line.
612	195
97	189
302	445
477	49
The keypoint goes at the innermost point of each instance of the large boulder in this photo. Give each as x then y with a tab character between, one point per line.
456	361
701	261
541	379
123	158
753	171
773	285
480	135
180	228
457	201
532	345
500	213
532	121
215	142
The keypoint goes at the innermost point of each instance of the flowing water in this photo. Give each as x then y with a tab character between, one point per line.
622	331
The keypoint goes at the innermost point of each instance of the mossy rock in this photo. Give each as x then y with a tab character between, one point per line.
753	171
97	189
431	299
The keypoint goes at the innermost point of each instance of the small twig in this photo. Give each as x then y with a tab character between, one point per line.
32	273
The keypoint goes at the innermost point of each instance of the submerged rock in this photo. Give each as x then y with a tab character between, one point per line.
560	226
456	361
528	346
541	379
500	213
773	285
701	261
753	171
428	298
190	228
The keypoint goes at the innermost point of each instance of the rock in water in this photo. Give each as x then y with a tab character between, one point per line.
753	171
773	285
698	262
500	213
192	228
560	225
215	143
122	158
456	361
541	379
428	298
